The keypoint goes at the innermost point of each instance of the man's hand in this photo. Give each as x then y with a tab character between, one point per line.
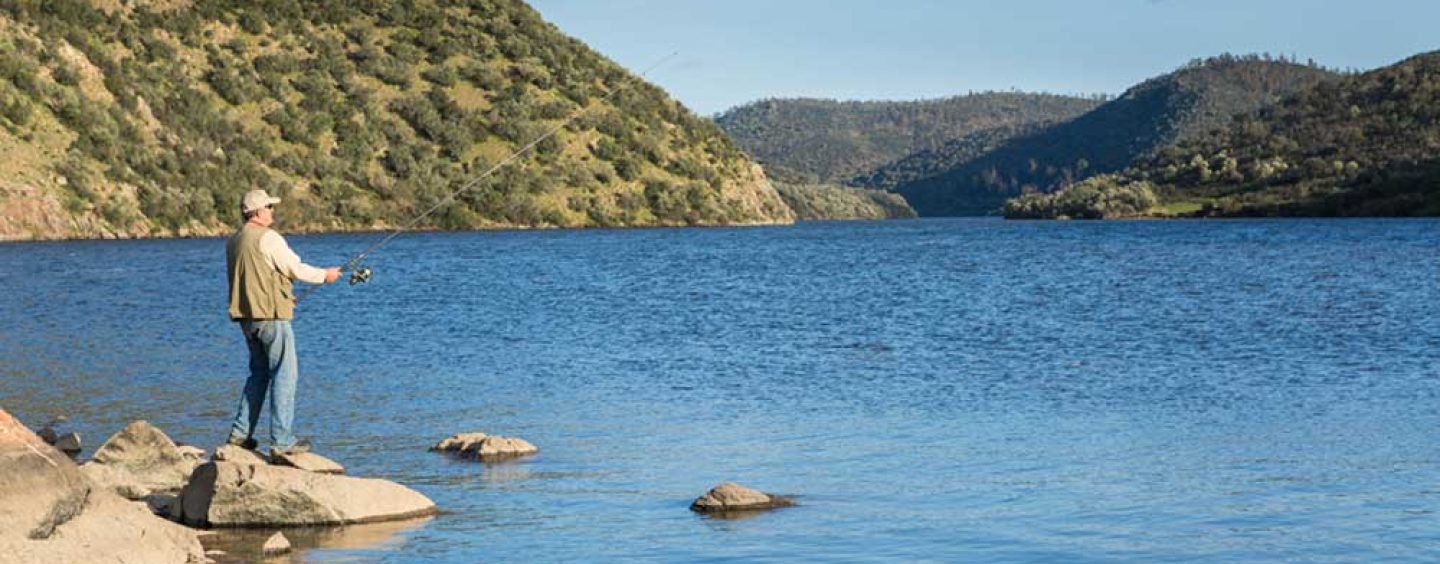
331	275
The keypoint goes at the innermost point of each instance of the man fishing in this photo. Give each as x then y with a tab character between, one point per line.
261	270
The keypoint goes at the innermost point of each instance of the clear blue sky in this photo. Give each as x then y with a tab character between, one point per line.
736	51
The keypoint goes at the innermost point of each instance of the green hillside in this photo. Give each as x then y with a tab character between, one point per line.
828	141
1157	113
1368	144
927	163
151	118
830	202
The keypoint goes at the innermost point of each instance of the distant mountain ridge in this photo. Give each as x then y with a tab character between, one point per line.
1159	112
1366	144
151	117
815	140
927	163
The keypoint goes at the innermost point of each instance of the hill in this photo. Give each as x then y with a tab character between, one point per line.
1159	112
1367	144
932	162
151	118
812	140
831	202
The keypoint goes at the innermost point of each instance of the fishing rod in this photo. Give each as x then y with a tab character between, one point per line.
360	274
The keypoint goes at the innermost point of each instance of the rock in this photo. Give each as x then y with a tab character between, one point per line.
162	504
501	448
238	455
229	494
276	544
460	442
138	461
487	448
69	443
307	461
192	452
51	513
730	496
48	434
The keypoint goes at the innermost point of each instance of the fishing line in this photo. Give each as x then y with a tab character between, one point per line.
361	275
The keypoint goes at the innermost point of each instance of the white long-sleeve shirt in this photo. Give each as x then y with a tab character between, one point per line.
286	262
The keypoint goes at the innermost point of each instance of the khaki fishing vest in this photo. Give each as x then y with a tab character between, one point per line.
257	290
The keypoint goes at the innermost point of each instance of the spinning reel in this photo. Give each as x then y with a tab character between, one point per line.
360	275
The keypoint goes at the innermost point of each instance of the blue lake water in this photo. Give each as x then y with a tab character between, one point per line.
930	390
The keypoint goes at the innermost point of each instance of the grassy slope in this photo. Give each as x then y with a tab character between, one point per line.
152	118
830	202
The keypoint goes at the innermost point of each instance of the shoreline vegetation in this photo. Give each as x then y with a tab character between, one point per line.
227	230
148	120
1365	144
812	202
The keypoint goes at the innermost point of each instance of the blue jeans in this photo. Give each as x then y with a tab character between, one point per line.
273	369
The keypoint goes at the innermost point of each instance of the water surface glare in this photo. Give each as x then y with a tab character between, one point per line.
931	390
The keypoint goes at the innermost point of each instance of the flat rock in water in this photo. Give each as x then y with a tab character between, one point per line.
238	455
227	494
307	461
501	448
137	461
276	544
485	447
460	442
51	513
730	496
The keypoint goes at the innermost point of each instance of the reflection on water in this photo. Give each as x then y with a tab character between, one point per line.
349	543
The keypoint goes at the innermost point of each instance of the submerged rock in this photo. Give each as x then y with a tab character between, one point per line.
137	461
487	448
730	496
276	544
229	494
307	461
51	513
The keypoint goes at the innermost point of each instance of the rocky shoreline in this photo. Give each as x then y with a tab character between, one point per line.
144	498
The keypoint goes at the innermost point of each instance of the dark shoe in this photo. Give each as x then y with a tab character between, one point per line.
302	445
247	444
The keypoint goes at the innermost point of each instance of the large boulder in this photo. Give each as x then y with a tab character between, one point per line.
307	461
730	497
237	454
487	448
138	461
49	512
230	494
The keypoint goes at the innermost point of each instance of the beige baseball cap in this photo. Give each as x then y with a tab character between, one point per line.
256	199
